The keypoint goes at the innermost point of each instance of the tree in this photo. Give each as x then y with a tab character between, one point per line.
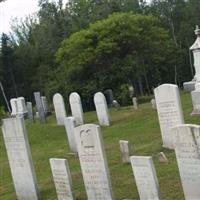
120	49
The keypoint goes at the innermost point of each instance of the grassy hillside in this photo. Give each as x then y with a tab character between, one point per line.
140	127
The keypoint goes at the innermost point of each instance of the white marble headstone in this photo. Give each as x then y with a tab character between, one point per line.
62	178
69	127
13	103
76	108
145	177
125	151
93	162
21	105
153	104
135	103
169	110
101	109
59	107
187	149
20	159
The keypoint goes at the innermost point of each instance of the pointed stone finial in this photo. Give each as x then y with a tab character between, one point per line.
197	31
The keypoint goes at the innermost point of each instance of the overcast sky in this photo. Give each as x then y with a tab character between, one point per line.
15	8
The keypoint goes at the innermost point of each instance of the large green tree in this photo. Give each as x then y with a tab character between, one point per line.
125	48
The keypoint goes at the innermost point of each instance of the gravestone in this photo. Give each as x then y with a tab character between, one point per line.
69	127
19	157
59	107
101	109
40	107
21	106
62	178
13	103
187	149
169	110
93	162
109	96
45	105
162	158
195	48
76	108
30	111
125	151
135	103
153	104
196	100
145	177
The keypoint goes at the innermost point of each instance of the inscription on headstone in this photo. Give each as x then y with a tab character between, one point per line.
69	127
93	162
59	107
76	108
62	178
19	157
101	109
145	177
187	149
169	110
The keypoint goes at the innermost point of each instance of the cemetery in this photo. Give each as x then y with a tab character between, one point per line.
109	116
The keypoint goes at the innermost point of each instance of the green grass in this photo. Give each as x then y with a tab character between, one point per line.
140	127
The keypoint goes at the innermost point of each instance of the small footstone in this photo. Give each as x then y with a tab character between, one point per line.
162	158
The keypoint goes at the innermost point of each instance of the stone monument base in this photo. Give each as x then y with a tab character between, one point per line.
189	86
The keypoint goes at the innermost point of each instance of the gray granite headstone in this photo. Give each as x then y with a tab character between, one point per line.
62	178
20	159
45	105
39	106
30	111
93	162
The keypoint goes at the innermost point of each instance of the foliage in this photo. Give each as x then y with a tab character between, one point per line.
111	52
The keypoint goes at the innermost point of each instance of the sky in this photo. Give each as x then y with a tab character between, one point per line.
16	8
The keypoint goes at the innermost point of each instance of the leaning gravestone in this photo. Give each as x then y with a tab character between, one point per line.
39	106
69	127
76	108
187	149
30	111
62	178
21	106
59	107
13	103
169	110
45	105
125	151
101	109
93	162
145	177
19	157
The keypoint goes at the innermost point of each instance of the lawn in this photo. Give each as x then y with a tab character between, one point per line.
139	127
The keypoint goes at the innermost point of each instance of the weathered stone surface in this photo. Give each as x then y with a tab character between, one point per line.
101	109
162	158
13	103
195	102
76	108
59	107
30	111
69	127
40	107
125	151
169	110
21	106
145	177
93	162
19	157
62	178
45	105
135	103
187	149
